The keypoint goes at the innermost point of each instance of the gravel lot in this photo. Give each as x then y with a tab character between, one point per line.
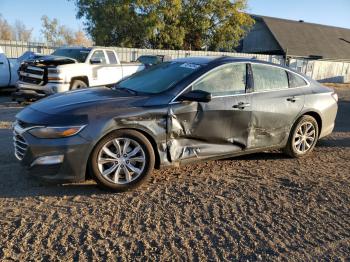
260	207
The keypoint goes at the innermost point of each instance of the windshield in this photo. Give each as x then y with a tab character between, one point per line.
78	54
158	78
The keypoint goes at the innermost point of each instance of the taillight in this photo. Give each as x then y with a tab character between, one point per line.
335	96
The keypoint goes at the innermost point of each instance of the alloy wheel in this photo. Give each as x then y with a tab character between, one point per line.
121	160
304	137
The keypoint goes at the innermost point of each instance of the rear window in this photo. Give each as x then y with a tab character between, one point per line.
295	81
159	78
111	57
269	78
149	60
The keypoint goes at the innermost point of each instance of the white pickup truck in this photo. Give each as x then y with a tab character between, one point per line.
71	68
8	71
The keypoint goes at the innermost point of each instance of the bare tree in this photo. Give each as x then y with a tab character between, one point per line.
81	39
51	30
62	35
5	29
21	31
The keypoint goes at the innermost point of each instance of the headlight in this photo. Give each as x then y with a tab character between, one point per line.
54	71
55	74
55	132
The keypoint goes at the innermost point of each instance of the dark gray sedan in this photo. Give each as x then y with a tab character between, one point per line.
173	113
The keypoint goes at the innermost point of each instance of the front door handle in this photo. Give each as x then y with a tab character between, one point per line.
241	105
292	99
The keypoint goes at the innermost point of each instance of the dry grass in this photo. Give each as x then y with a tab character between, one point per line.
338	85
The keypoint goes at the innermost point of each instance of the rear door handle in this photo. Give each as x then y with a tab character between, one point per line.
292	99
241	105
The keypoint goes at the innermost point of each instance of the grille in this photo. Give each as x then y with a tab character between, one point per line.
23	124
32	75
20	145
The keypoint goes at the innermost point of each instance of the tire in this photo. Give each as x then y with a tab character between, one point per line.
77	84
303	137
127	170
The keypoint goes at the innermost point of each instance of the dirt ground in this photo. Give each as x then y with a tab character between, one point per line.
260	207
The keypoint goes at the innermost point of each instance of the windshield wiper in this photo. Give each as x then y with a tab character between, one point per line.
130	91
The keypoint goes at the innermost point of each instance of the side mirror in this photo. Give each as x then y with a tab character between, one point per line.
196	96
95	61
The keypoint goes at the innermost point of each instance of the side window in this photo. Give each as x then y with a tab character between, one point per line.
269	78
295	80
99	54
226	80
111	57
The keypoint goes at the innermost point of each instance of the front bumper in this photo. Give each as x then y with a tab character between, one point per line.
30	151
30	92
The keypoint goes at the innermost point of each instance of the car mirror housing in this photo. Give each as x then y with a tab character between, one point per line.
95	61
196	96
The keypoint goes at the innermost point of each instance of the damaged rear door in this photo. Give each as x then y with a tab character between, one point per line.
215	128
275	106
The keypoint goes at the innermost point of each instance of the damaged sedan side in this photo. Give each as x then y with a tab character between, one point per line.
173	113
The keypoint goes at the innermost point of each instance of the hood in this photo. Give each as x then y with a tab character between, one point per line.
51	60
84	100
80	105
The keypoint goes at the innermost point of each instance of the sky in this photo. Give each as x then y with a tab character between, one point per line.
334	12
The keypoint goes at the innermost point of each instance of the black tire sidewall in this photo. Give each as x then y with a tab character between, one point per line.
149	165
78	84
290	150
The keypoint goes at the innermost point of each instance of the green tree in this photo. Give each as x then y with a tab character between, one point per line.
217	25
166	24
109	22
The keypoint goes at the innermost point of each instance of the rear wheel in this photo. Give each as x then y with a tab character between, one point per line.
122	160
303	137
78	84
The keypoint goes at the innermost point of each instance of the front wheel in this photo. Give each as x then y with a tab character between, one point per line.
122	160
303	137
78	84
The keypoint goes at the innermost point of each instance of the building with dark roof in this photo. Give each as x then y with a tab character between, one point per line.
297	39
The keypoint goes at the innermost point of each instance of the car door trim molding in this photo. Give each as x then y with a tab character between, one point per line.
172	102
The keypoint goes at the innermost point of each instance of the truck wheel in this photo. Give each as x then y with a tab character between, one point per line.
77	84
122	160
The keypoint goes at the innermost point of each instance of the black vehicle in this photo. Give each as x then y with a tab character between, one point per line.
151	60
173	113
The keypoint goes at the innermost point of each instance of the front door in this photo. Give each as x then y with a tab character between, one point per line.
275	106
217	128
100	71
4	71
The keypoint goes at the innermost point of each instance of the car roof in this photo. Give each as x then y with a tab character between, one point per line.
205	60
202	60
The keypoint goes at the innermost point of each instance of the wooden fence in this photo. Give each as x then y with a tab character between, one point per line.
323	71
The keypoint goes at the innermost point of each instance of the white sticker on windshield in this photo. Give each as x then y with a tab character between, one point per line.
190	66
